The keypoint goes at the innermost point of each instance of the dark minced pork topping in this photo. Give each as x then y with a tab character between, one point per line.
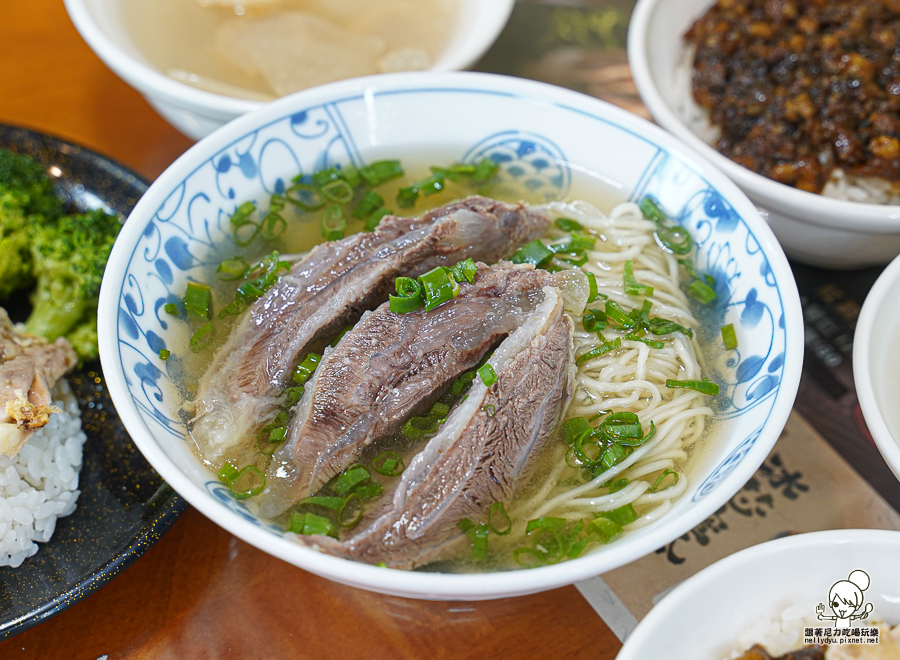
801	87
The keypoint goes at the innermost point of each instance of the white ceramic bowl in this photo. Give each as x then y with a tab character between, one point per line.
196	112
545	136
811	228
705	615
876	363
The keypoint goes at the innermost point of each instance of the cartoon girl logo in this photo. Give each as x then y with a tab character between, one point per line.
846	600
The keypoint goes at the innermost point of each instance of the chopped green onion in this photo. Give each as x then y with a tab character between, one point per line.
368	490
272	226
612	457
701	291
382	171
244	229
705	386
338	191
603	529
594	320
198	300
535	253
499	520
487	374
333	223
389	463
408	298
621	426
583	442
577	242
324	177
437	287
305	369
660	326
617	485
729	337
568	225
407	197
232	269
593	291
602	349
676	239
307	197
430	186
489	409
172	308
375	219
621	516
478	535
164	354
545	522
465	270
574	427
485	169
351	512
333	503
575	258
632	286
202	338
228	473
351	175
352	476
293	395
655	487
650	209
618	315
370	202
638	335
418	427
527	557
249	482
309	524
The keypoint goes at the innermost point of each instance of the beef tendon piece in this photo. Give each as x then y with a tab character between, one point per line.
331	287
488	445
389	366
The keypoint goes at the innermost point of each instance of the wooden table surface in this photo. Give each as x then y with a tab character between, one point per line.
200	592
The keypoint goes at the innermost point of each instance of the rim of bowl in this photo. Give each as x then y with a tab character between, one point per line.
129	68
862	373
707	579
436	585
813	208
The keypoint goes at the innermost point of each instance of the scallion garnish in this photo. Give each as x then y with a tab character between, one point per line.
389	463
632	286
638	335
617	485
333	223
407	197
485	169
465	270
249	482
202	338
478	535
594	320
408	298
244	230
729	338
705	386
198	300
650	210
309	524
593	291
659	326
621	516
333	503
602	349
349	478
568	225
418	427
499	521
665	473
164	354
304	371
338	192
701	291
437	287
232	269
381	172
172	308
535	253
489	409
487	374
676	239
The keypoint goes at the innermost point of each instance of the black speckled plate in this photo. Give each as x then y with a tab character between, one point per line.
124	505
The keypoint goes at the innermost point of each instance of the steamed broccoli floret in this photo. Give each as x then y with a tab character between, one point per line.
69	257
26	176
15	243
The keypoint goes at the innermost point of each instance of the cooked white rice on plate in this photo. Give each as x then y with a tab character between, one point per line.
40	484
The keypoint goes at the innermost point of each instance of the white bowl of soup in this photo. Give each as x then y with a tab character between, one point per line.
783	595
874	372
856	222
201	63
646	366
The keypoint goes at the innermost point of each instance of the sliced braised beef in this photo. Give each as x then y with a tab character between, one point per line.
29	368
330	288
389	366
485	448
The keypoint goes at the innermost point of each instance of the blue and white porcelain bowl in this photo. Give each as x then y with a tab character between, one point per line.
549	138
